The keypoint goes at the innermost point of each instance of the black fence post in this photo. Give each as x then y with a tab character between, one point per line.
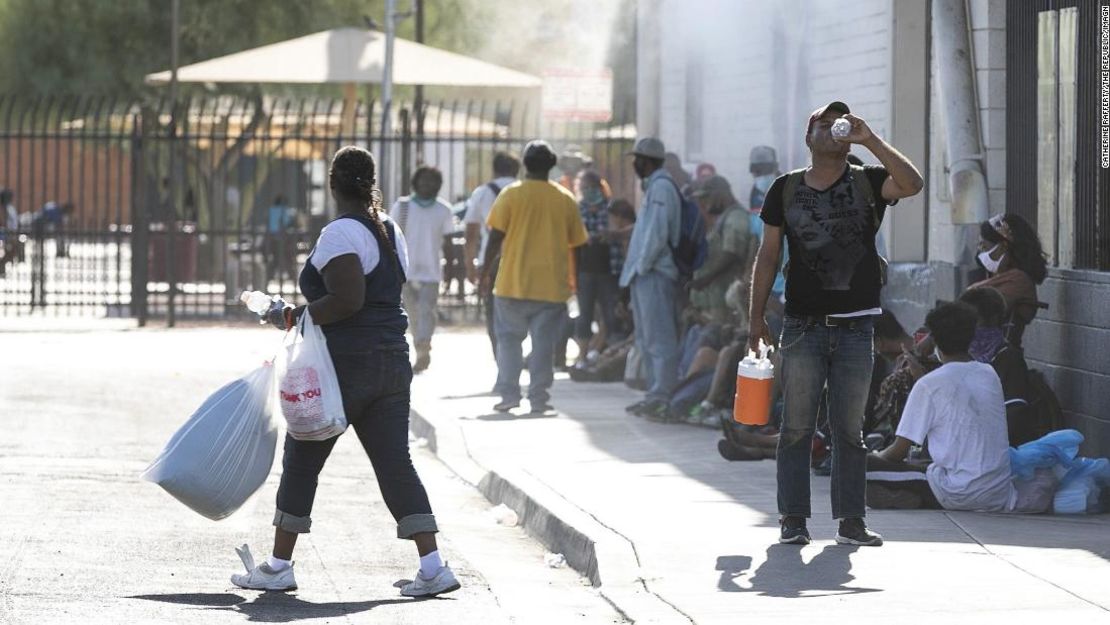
140	228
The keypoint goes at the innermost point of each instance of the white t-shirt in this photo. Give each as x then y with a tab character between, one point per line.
425	227
349	236
960	411
479	205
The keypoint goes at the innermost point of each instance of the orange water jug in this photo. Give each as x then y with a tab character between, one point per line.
754	378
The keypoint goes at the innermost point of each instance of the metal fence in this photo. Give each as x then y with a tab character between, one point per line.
120	212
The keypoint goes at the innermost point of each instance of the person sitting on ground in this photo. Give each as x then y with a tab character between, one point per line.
959	412
990	346
731	244
891	342
1011	253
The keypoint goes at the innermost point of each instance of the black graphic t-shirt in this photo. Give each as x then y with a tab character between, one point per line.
830	233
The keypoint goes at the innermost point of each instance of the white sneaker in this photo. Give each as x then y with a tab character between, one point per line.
443	582
262	577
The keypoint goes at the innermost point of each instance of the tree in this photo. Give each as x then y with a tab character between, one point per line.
106	48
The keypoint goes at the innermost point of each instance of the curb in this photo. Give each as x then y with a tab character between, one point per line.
600	554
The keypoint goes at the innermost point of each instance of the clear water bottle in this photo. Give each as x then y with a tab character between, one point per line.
257	301
841	128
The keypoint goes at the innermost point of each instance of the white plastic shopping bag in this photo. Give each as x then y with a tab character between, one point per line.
307	388
223	453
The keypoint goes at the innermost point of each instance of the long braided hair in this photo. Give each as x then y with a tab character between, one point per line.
353	175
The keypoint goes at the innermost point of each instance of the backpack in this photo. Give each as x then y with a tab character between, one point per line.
1043	403
862	187
693	248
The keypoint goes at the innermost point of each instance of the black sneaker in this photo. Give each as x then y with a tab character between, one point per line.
794	531
656	410
635	408
506	405
854	532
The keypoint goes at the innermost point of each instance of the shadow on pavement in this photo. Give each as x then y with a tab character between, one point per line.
784	574
508	416
271	607
471	395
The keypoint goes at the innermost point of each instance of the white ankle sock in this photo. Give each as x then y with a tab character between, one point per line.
277	564
430	564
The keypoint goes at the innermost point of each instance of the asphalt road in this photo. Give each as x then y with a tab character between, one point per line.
84	407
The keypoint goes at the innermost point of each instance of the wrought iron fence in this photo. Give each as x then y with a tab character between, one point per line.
118	211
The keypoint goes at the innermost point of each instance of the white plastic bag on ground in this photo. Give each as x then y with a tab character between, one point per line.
307	388
224	452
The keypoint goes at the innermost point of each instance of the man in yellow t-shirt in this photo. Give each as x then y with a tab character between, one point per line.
534	224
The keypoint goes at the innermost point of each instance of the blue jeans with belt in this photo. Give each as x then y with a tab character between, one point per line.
374	383
816	355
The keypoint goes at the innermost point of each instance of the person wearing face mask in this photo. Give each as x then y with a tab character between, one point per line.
959	411
598	265
650	272
1011	252
730	244
426	221
764	167
989	346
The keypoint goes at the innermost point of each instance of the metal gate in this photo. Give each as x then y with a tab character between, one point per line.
114	212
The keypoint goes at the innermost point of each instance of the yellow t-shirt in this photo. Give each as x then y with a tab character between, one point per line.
541	223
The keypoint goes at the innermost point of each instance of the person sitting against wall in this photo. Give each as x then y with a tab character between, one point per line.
990	346
959	411
1011	253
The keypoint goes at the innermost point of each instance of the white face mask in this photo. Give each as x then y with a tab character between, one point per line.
764	182
990	264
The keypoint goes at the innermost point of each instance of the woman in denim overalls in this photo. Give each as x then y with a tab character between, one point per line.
353	281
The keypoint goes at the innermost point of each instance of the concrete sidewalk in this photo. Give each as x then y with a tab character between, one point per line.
672	533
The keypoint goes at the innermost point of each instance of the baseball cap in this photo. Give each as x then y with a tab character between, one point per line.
763	155
713	185
835	105
539	152
649	147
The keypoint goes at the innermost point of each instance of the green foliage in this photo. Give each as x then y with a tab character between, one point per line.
106	47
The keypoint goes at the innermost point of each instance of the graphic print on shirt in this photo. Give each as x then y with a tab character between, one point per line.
830	228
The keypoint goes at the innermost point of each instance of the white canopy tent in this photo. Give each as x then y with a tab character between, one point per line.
349	55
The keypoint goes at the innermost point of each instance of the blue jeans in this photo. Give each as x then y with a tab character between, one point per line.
600	289
374	384
815	355
653	306
514	319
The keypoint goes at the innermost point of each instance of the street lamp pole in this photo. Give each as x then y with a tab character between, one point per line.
387	93
392	18
171	227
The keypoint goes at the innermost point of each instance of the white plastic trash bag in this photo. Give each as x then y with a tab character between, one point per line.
307	389
224	452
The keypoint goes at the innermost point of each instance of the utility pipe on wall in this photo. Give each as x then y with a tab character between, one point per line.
956	73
